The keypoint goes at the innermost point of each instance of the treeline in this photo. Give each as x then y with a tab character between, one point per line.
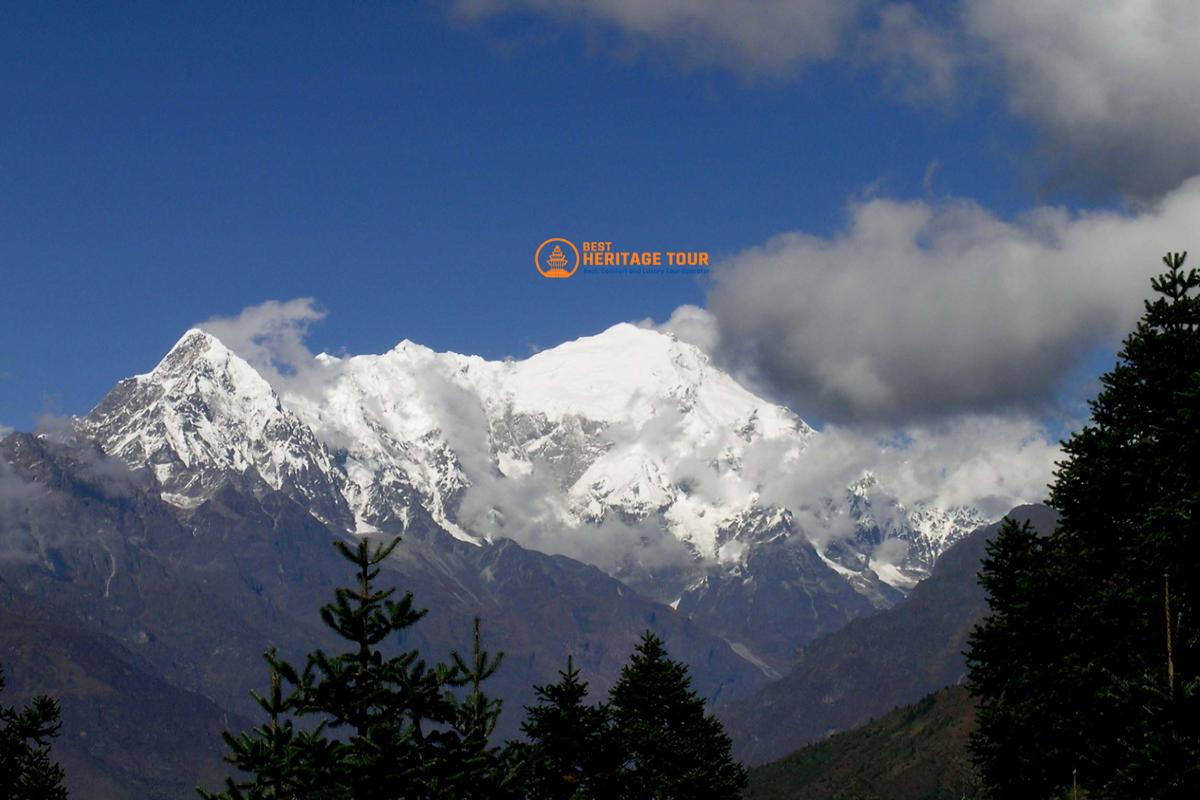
1087	670
371	726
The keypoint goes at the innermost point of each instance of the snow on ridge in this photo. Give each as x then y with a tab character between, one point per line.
204	412
631	425
618	414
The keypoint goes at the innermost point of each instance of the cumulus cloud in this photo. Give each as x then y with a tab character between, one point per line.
1109	85
922	311
1112	84
690	324
985	461
764	37
270	336
988	461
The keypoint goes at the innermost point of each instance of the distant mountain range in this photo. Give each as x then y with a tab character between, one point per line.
628	450
572	499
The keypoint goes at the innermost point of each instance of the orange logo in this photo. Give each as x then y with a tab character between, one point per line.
556	263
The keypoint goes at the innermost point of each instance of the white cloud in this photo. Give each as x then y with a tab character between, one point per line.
5	430
690	324
270	336
764	36
1112	83
991	462
55	427
531	509
921	311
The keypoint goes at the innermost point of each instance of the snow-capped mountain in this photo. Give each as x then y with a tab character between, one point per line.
630	450
628	426
204	414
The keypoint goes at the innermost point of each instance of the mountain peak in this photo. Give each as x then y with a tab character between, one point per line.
196	347
197	334
203	415
197	341
629	335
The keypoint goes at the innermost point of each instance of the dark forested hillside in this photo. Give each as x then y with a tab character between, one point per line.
918	752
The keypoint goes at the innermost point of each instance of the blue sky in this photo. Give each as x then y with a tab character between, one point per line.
399	162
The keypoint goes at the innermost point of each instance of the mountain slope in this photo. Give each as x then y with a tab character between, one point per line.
846	678
200	593
918	752
126	732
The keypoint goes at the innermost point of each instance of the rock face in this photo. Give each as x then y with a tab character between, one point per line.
628	450
203	415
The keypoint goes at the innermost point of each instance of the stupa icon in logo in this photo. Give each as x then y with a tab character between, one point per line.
559	263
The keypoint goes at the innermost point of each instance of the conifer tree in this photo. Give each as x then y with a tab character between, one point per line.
570	754
367	725
474	768
1110	602
671	748
26	771
1013	660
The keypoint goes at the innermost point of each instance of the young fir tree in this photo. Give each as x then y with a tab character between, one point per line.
1104	687
570	753
26	771
475	769
368	725
670	748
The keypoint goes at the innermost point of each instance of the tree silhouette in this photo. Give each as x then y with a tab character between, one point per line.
1088	666
671	748
26	771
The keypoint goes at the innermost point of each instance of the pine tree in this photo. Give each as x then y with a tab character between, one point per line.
671	748
1015	654
368	725
570	753
26	771
1112	693
474	767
